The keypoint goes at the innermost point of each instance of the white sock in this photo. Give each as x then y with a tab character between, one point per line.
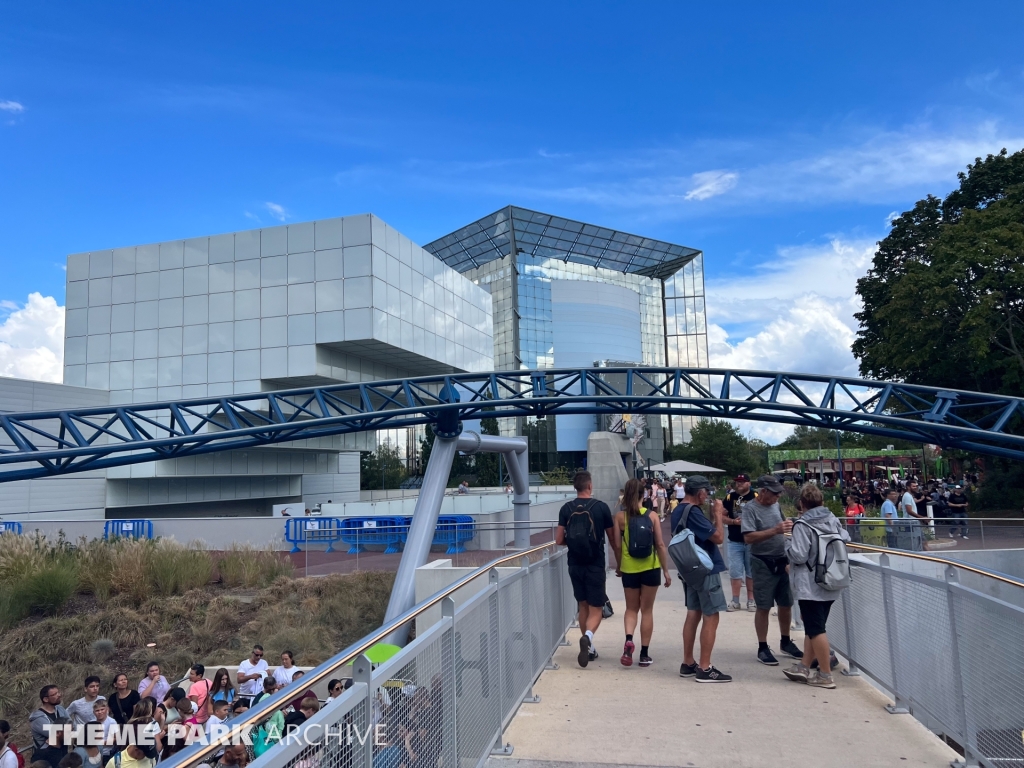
590	637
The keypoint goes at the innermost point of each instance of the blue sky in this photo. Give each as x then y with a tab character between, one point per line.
778	139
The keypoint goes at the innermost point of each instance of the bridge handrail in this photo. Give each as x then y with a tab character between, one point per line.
197	754
947	650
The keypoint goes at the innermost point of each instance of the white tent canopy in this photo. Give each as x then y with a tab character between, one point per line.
680	467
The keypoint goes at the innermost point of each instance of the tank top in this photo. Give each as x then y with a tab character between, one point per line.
631	564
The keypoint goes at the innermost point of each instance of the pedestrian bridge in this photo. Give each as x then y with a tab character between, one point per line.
491	679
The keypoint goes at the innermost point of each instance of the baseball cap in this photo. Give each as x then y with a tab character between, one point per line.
696	483
742	477
769	482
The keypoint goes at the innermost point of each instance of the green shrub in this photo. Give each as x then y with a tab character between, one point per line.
172	568
243	565
49	588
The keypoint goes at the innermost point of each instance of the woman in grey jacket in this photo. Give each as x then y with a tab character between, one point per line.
815	601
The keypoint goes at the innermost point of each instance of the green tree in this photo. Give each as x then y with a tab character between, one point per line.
486	464
384	465
717	444
944	298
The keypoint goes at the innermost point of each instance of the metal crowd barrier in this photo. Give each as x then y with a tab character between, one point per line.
454	531
11	526
945	638
358	532
461	680
313	530
128	529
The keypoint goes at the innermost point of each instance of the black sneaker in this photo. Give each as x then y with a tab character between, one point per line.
791	649
688	670
833	662
765	657
712	675
584	655
646	661
593	654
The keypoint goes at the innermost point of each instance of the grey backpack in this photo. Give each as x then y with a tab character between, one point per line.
831	566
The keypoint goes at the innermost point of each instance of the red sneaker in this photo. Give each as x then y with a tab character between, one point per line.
627	654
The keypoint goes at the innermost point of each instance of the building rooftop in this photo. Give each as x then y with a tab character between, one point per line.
545	236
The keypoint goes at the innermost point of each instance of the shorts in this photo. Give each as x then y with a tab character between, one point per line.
651	578
739	560
769	588
815	616
588	584
709	599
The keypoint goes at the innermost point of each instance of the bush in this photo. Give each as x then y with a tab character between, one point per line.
49	588
243	565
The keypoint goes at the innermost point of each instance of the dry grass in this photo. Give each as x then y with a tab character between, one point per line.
243	565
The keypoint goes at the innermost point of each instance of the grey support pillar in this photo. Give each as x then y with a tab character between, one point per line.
514	449
421	533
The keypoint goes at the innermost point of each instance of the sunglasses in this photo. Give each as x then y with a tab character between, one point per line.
258	655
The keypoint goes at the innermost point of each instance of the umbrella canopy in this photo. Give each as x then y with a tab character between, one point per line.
680	467
381	652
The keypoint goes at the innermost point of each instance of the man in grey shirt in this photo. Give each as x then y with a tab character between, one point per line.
763	529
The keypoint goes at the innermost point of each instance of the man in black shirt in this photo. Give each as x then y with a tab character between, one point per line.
958	510
738	550
583	524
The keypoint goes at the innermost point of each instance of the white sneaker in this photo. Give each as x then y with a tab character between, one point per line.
733	606
751	606
951	534
965	537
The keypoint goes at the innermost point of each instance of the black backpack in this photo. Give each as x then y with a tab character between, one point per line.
580	531
641	536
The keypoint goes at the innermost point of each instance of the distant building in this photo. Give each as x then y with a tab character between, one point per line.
858	463
568	294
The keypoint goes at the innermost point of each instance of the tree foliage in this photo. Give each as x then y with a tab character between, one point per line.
944	298
384	465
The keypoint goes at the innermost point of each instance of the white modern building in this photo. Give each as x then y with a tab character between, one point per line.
332	301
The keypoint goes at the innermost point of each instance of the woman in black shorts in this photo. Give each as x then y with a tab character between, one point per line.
641	570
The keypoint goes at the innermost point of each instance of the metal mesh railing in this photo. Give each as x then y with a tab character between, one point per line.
446	698
949	652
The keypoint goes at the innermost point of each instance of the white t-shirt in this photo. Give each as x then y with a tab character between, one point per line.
284	676
254	686
680	491
213	722
7	758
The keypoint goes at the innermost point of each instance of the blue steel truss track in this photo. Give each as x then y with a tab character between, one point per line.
60	442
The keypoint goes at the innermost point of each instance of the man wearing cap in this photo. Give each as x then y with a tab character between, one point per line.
706	602
958	510
764	530
739	551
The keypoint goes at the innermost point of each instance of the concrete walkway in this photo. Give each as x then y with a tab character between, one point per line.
608	714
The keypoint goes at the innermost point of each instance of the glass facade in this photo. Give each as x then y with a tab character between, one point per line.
669	280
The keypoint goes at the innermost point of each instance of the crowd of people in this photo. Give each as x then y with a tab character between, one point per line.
150	711
776	559
908	498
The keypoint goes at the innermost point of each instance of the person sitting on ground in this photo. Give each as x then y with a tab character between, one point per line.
815	601
80	710
154	684
284	673
50	713
9	757
641	574
221	687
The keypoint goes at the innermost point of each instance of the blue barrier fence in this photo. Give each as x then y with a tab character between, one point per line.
12	526
128	529
453	531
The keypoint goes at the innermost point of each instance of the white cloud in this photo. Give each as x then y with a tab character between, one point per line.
32	340
11	106
710	184
277	211
794	313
